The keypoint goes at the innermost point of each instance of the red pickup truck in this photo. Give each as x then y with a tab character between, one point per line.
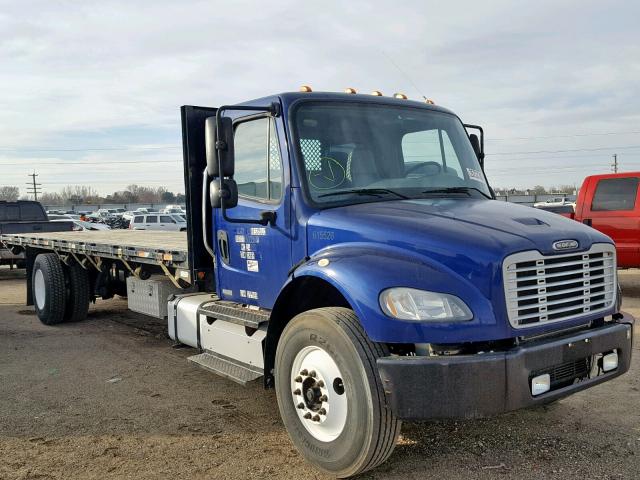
609	203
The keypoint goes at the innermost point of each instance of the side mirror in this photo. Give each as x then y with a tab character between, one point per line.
475	143
222	147
228	192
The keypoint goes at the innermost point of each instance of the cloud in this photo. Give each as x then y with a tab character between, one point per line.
113	74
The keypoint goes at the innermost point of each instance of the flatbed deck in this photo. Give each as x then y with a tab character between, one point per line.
141	246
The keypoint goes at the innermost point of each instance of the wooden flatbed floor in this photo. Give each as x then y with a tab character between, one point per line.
143	246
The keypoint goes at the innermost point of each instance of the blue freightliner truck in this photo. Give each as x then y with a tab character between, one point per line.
347	250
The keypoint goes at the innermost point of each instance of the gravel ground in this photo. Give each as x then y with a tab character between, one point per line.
110	398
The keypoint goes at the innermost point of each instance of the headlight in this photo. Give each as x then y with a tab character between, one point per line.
412	304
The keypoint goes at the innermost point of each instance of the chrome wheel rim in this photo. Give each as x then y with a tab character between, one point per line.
318	393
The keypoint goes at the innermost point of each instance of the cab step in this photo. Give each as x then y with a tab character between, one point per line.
234	313
226	367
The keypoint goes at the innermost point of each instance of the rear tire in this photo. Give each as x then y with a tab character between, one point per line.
48	288
78	293
330	395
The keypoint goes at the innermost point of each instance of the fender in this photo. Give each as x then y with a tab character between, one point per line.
360	271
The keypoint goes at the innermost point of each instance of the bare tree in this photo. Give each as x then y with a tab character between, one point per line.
10	194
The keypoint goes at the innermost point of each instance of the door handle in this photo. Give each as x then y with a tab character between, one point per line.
223	246
587	221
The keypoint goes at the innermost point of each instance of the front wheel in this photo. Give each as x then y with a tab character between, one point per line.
330	394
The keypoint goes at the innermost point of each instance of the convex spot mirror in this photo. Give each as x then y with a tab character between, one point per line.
223	189
222	147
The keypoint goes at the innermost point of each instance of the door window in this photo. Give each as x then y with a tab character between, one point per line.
152	219
258	166
166	219
432	146
615	194
138	219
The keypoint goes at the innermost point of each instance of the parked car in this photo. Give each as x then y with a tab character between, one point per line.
553	202
567	210
173	210
158	222
25	216
609	203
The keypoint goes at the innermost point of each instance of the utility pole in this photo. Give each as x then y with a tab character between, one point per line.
614	165
33	187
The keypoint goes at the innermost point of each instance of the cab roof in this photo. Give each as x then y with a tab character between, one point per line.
289	98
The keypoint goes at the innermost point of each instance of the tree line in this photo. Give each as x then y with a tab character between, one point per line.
86	195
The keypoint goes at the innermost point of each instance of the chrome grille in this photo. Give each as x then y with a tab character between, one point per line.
543	289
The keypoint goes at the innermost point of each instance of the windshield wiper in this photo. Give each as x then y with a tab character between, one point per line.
366	191
460	189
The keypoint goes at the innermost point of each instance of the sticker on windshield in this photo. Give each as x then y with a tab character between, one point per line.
475	175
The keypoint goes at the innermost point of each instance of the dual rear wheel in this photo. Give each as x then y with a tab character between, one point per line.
60	293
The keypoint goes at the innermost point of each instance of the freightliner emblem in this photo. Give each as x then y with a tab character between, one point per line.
565	244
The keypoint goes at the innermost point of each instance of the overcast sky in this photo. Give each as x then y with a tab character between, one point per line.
91	90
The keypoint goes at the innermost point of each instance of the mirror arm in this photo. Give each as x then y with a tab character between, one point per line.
267	217
205	214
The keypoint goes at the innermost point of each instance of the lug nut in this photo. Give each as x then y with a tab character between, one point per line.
297	391
324	398
307	415
322	411
312	373
304	372
300	405
298	379
320	383
316	418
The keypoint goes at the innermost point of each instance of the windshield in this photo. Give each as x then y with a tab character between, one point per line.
357	152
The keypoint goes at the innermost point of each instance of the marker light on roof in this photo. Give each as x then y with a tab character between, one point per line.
350	90
376	93
305	89
429	101
400	95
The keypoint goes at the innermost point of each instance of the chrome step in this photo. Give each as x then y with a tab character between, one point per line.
232	369
234	313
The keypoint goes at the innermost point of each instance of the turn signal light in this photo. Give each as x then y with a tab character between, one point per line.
400	95
376	93
350	90
305	89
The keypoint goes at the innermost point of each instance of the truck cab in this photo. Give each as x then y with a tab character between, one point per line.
609	203
375	279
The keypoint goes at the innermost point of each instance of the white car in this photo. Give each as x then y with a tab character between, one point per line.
553	202
158	222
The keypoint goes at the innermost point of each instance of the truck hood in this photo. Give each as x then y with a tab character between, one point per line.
470	237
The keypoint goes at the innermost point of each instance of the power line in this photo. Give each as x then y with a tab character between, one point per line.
93	149
571	150
135	162
561	136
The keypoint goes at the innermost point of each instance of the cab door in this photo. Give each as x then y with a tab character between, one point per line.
612	207
252	260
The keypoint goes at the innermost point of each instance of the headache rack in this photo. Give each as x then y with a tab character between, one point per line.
543	289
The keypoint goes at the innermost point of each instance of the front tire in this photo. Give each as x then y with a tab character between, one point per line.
48	288
330	394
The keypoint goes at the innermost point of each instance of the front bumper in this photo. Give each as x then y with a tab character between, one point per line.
468	386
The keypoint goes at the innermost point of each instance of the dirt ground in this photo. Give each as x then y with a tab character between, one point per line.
110	398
